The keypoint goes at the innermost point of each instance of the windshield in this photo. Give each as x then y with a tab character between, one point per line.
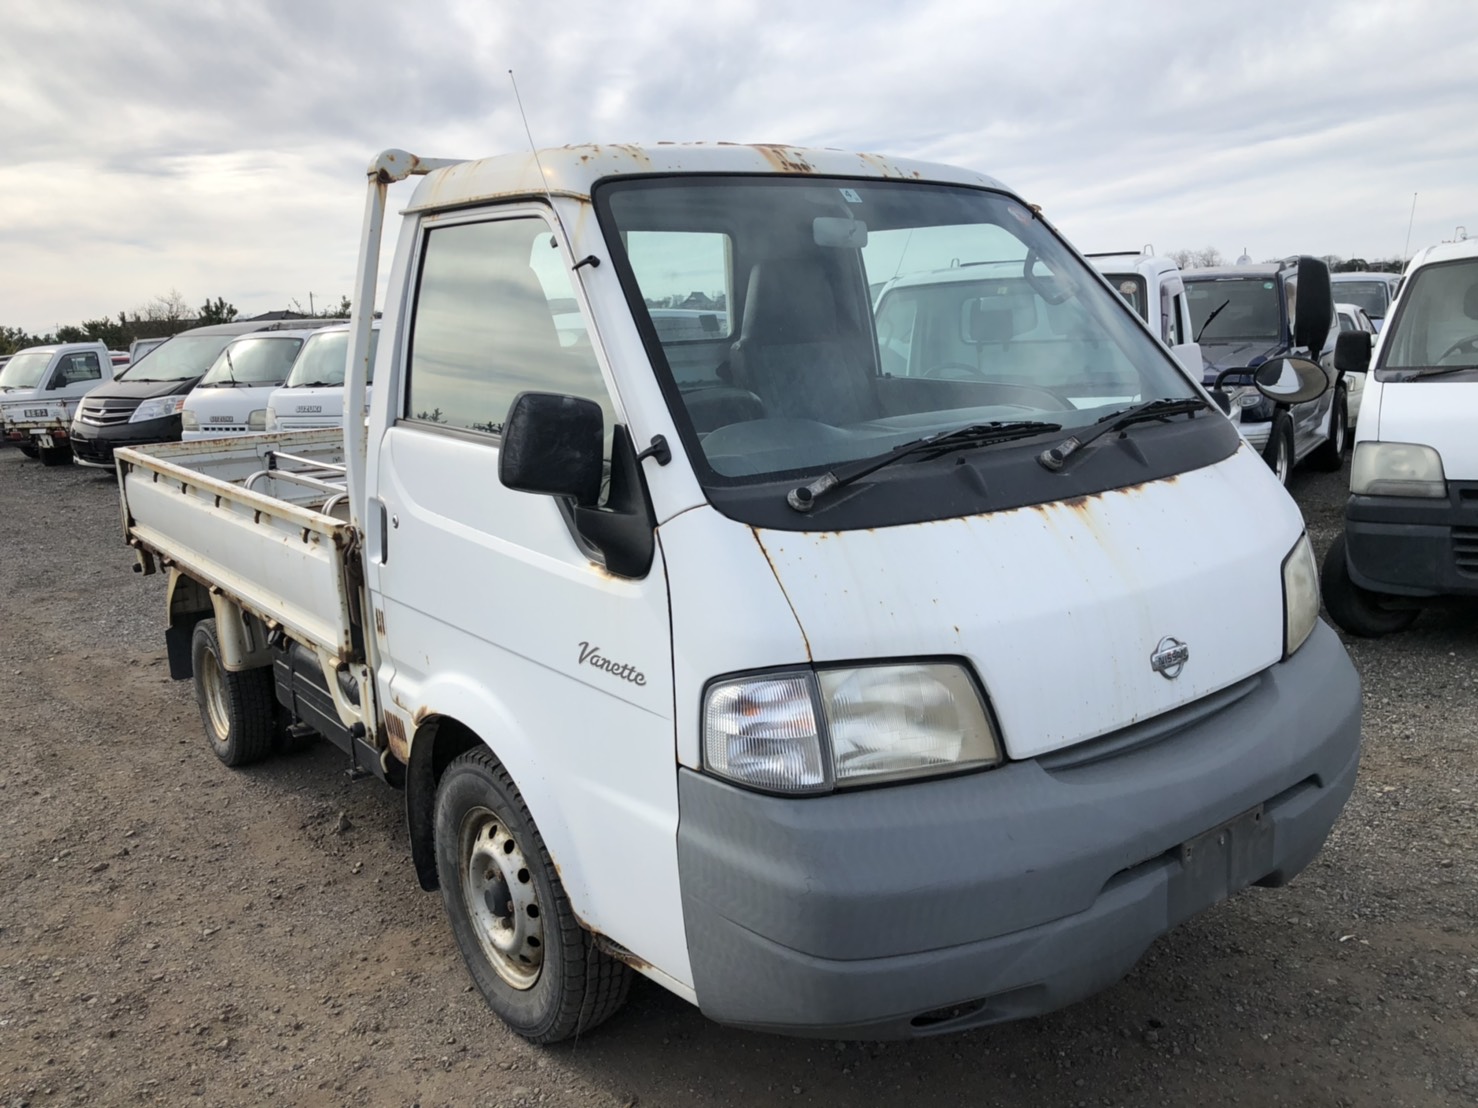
178	359
1436	326
1251	310
253	360
24	371
325	359
1370	295
981	315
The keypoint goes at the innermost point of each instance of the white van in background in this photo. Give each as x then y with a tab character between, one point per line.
39	391
1411	522
231	399
1154	289
313	394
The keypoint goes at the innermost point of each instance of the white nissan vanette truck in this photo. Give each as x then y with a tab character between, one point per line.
837	701
40	388
1411	522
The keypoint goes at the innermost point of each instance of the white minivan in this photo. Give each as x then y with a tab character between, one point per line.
313	394
1411	523
231	399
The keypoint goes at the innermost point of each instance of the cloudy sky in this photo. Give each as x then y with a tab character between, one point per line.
218	149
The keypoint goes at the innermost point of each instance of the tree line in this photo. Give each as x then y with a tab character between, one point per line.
164	315
1209	256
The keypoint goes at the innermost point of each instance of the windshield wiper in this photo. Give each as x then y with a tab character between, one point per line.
1055	457
1441	371
1209	318
313	385
803	497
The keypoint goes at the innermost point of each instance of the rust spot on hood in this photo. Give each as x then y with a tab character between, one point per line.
775	572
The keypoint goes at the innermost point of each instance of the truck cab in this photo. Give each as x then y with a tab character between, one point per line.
692	645
1245	315
40	388
1152	286
1410	536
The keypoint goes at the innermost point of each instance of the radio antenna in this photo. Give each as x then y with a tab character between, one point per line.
592	260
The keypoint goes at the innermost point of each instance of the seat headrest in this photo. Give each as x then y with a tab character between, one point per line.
789	300
1470	301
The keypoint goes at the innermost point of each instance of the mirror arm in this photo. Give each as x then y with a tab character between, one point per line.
625	531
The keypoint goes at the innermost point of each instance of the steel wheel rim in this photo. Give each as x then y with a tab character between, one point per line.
1281	466
1340	431
502	900
213	686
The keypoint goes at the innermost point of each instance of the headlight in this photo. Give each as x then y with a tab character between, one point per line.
271	418
188	420
1396	469
157	408
1300	595
1246	397
257	421
806	732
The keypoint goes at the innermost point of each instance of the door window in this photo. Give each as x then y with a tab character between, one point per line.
76	368
495	315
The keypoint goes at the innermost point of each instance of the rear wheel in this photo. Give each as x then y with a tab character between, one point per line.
538	969
1279	451
237	709
1331	453
1359	611
28	450
56	455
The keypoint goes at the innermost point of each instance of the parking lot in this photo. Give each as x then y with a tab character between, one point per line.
175	932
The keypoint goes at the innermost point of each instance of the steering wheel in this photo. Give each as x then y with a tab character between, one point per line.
1053	292
1467	345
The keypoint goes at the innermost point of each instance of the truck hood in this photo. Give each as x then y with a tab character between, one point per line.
1235	354
1060	607
1439	413
141	390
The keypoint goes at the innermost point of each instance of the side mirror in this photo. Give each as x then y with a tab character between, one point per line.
1315	313
1352	352
1291	380
552	445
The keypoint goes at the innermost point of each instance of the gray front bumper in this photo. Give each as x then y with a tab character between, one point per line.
941	905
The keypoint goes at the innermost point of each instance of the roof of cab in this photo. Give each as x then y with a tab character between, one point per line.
1444	252
573	170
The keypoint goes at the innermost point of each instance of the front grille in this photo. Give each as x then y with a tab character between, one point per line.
106	413
1465	549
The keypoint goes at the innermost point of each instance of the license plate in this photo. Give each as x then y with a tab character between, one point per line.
1221	861
43	441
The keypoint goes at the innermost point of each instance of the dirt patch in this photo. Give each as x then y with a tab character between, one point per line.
175	932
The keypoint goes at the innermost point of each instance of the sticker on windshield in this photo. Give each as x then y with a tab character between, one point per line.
850	196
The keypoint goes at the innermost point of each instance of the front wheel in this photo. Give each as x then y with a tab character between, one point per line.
534	964
1331	453
1359	611
1279	451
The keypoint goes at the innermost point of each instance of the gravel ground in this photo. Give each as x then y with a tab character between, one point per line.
174	932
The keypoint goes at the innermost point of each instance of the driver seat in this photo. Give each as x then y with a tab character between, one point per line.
797	352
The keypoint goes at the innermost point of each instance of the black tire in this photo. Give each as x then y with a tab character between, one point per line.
237	709
1330	455
56	455
1358	611
1279	451
538	969
29	451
